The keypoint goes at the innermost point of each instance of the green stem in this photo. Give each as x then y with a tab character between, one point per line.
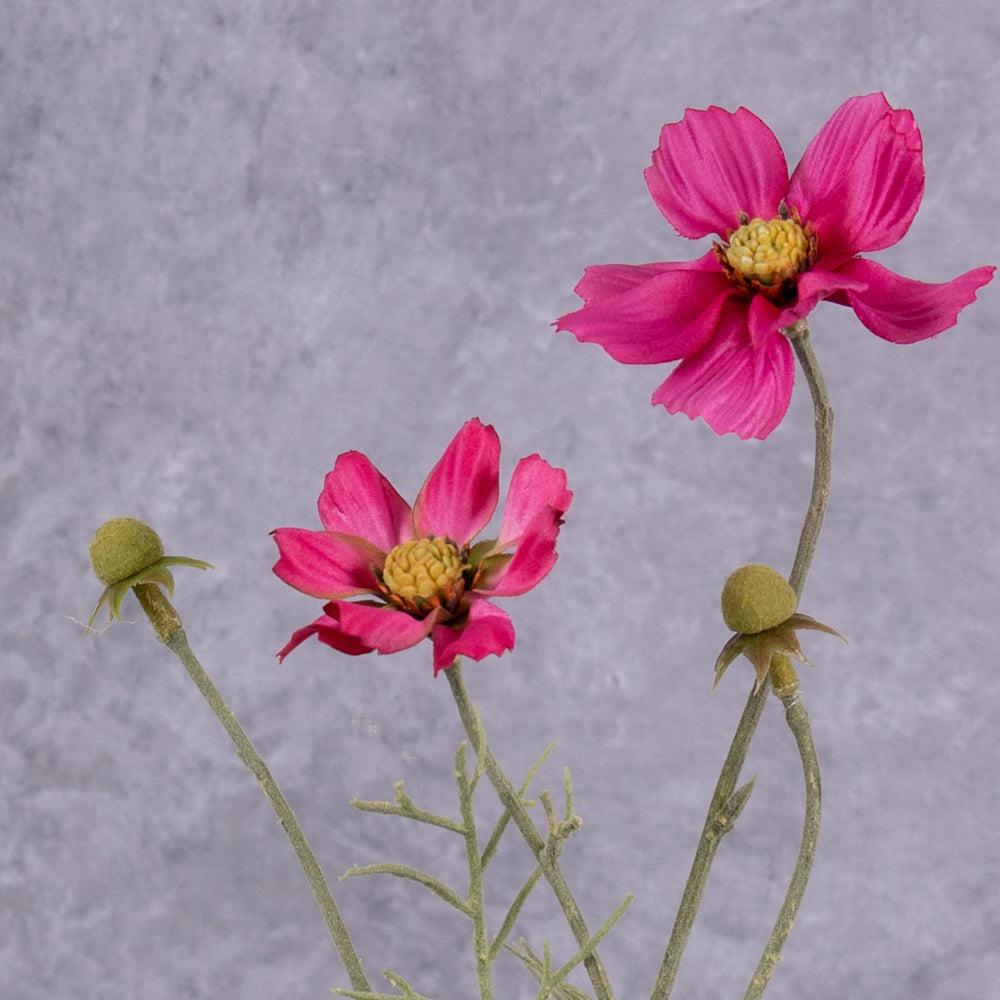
480	935
798	722
823	415
167	625
546	859
709	842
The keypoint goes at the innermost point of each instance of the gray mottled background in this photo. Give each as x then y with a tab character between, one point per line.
240	237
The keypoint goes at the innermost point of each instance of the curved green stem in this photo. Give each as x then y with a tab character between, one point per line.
798	722
822	468
710	837
167	625
546	859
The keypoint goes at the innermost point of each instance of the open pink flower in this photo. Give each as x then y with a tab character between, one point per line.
787	244
418	571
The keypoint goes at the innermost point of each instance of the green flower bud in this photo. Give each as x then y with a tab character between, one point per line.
755	598
128	555
123	547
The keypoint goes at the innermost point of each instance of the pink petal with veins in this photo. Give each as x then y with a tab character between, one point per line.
712	165
459	496
903	310
860	181
488	632
326	565
730	384
358	500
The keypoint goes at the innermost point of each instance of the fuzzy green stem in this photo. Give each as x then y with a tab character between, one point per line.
747	726
823	416
708	844
480	935
798	722
546	860
167	625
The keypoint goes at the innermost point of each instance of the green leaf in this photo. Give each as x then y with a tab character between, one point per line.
439	888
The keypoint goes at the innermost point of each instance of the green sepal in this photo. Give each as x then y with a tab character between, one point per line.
799	620
490	569
156	572
730	651
480	550
185	561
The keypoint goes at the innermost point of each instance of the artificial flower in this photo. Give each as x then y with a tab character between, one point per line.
786	244
418	571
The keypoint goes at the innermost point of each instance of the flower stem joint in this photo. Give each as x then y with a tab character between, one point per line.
127	553
759	605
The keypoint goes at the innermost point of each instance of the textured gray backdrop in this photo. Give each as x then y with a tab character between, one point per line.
241	237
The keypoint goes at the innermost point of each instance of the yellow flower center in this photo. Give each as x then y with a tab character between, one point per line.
422	567
768	252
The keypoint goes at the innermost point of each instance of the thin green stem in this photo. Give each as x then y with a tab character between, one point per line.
168	628
709	842
480	935
823	415
798	722
512	802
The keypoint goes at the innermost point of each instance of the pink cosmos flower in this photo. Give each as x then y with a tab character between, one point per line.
418	571
786	244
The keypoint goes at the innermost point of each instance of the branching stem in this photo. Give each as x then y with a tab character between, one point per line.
546	860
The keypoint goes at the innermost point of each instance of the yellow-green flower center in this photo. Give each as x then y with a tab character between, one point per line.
422	567
768	252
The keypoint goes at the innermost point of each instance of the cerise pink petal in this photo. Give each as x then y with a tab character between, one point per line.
326	565
712	165
358	500
535	487
384	629
860	181
732	385
531	562
459	496
608	281
662	318
488	631
903	310
328	632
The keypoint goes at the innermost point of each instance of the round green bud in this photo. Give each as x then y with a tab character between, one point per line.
122	547
755	598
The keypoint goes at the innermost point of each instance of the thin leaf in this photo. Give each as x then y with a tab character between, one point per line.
435	885
513	913
564	991
409	811
592	942
726	817
494	839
